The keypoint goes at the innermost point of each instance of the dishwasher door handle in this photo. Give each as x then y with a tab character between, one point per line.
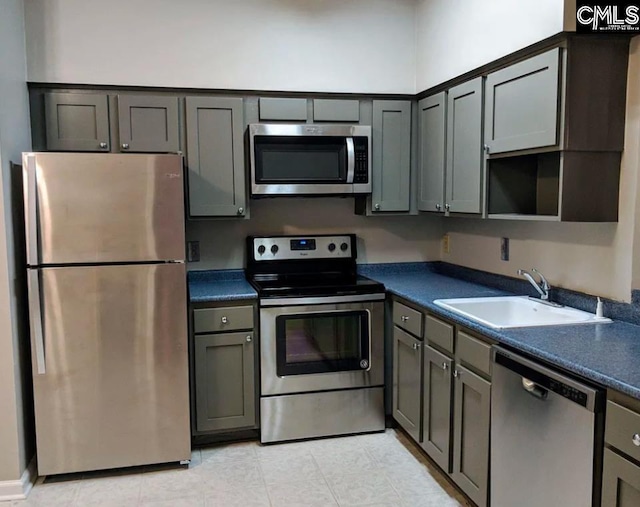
534	389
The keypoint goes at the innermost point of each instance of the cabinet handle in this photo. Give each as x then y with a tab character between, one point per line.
456	374
487	150
446	206
404	318
125	146
248	338
377	207
224	320
240	211
104	146
438	207
416	346
636	440
445	366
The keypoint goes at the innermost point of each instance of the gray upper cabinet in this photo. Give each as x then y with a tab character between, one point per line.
407	368
148	124
432	137
522	104
437	392
464	148
215	156
283	109
471	428
77	121
391	145
224	381
336	110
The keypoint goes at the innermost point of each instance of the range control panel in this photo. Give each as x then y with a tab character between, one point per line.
302	247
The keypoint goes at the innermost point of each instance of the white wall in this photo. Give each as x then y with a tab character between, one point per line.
303	45
15	442
456	36
381	239
601	259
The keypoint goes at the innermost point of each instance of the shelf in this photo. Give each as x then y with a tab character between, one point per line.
526	185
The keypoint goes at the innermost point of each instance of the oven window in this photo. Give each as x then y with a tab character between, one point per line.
322	342
303	160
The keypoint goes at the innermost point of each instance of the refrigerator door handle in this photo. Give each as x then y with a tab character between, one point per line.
35	316
31	202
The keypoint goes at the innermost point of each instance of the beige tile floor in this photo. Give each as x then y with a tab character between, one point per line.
381	470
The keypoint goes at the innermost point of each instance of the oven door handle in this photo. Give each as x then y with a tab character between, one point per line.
356	298
351	160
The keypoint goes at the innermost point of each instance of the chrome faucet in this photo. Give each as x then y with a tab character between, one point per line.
542	288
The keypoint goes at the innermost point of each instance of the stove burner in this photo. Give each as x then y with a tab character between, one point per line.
302	266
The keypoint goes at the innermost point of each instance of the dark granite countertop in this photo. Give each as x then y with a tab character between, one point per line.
224	285
608	354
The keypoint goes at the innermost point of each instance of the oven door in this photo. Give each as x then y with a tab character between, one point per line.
318	347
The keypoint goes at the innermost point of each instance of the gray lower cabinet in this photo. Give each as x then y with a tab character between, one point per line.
77	121
620	482
391	162
215	157
464	173
522	104
407	371
224	381
471	429
437	395
432	122
148	124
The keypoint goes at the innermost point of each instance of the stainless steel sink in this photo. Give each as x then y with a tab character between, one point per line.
517	311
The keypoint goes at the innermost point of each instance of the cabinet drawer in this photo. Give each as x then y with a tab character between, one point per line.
439	333
474	353
407	318
621	426
206	320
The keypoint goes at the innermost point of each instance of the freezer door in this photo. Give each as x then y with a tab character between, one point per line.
114	388
92	208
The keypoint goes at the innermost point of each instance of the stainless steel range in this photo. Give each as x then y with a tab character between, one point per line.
321	335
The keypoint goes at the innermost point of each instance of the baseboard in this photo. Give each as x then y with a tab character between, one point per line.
19	489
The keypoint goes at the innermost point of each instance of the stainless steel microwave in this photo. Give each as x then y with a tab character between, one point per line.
309	159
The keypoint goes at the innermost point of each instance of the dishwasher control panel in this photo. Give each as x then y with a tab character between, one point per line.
539	380
568	392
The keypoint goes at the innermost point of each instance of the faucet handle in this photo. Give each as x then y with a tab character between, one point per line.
545	284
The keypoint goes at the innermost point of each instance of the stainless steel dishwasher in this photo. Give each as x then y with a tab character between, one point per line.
546	436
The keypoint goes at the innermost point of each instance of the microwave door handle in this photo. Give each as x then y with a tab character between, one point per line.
351	160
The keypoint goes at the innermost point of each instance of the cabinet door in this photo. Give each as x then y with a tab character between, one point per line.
432	124
464	147
336	110
391	145
436	432
224	381
215	155
407	367
522	104
77	121
471	421
148	124
620	482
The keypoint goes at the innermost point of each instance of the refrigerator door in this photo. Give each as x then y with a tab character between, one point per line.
114	390
93	208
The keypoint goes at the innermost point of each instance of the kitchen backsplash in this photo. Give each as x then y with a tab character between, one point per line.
380	238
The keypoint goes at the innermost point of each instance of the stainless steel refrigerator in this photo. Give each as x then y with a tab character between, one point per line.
107	304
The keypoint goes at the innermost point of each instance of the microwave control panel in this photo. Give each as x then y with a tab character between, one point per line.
361	173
